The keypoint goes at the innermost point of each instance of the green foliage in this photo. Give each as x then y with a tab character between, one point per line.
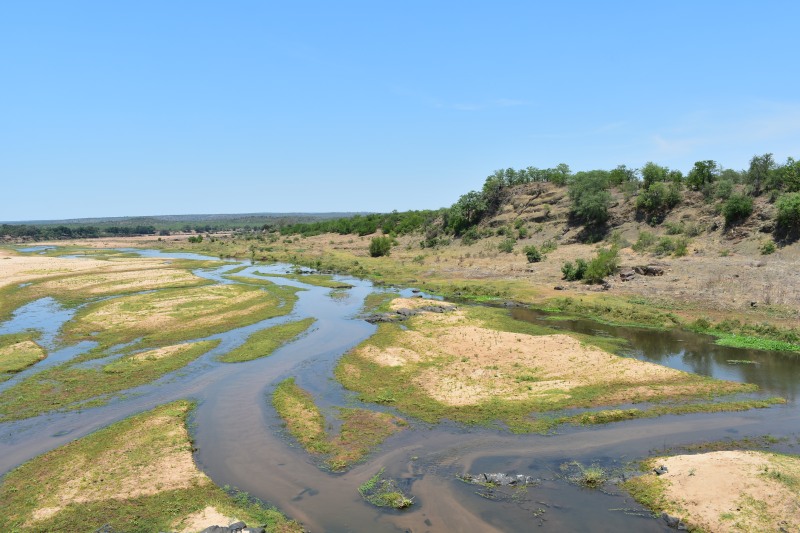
507	245
195	239
604	264
652	173
590	198
574	272
758	175
788	216
657	199
723	189
380	246
382	492
533	254
621	174
768	247
737	208
703	172
644	242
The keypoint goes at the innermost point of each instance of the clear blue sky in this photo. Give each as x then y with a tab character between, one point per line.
113	108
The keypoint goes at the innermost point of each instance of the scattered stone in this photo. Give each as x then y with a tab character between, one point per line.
627	275
500	479
649	270
236	527
403	314
673	521
559	288
661	470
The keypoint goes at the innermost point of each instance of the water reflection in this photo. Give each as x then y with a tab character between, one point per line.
776	373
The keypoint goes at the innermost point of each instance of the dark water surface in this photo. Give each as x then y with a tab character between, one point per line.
241	442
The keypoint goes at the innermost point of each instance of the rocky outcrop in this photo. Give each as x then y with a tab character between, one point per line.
649	270
236	527
403	314
500	479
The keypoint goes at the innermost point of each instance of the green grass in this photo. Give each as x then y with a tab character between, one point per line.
613	311
361	431
607	416
264	343
318	280
750	336
34	485
383	492
18	351
66	387
174	315
397	385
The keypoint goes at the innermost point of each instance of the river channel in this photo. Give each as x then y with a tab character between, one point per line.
241	442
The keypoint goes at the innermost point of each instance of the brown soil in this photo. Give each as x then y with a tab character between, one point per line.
734	490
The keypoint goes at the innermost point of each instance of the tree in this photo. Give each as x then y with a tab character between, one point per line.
590	199
788	217
761	166
703	173
652	173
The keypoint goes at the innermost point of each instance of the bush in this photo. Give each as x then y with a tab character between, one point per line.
574	272
590	199
380	246
604	264
507	245
788	217
197	239
645	241
768	248
533	254
737	208
657	199
548	246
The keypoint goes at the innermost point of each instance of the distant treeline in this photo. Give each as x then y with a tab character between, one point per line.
152	226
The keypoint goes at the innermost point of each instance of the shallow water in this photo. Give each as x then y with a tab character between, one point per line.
241	442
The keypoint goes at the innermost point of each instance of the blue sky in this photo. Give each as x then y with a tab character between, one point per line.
172	107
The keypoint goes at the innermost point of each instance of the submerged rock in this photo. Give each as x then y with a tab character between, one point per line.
236	527
500	479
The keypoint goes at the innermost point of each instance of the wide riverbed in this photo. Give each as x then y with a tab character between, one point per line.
241	442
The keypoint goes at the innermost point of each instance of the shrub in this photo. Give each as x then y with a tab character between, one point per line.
590	199
645	241
533	254
507	245
548	246
380	246
665	246
574	272
657	199
768	248
788	217
737	208
604	264
196	239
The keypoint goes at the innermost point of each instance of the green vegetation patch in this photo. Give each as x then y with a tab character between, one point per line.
751	336
362	430
69	387
116	476
263	343
319	280
613	311
383	492
607	416
18	351
174	315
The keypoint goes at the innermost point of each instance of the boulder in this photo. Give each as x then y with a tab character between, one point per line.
627	275
649	270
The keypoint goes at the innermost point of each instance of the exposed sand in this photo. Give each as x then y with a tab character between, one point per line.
201	520
477	363
93	275
133	468
734	490
161	353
